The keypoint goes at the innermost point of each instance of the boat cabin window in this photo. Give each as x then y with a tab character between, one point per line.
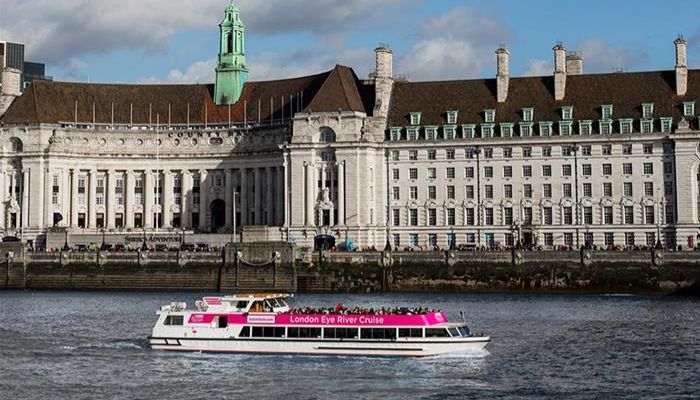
222	321
378	333
268	331
436	332
454	332
173	320
241	305
245	332
304	333
464	331
340	333
257	307
410	332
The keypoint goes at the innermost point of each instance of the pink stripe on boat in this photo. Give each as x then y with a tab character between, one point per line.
323	320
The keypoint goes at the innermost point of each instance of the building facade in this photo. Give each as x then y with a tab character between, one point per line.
561	160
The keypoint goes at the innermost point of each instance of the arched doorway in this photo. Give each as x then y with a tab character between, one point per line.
218	215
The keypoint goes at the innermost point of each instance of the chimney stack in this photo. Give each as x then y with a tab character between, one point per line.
574	63
559	71
502	75
11	80
383	80
681	66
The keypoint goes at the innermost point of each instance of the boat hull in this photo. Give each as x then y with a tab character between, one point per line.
384	348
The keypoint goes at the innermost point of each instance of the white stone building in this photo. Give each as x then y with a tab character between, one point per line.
608	159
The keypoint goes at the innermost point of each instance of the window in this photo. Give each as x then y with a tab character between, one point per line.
488	152
567	112
629	239
488	172
413	239
528	114
527	191
488	216
547	216
585	127
412	133
627	149
396	217
450	132
413	192
525	129
395	174
450	173
689	109
545	129
650	238
649	215
670	215
648	169
450	192
605	127
607	169
625	126
587	189
469	172
432	216
488	191
413	216
565	128
490	115
627	169
547	190
527	152
432	154
508	191
395	134
649	189
607	189
415	118
609	239
508	215
450	154
452	117
527	171
487	131
468	131
587	170
546	151
527	215
413	155
568	239
119	191
606	149
606	111
568	213
507	152
549	239
432	192
666	125
648	148
668	168
566	170
431	133
628	215
506	130
627	189
588	215
566	190
647	110
608	215
586	150
469	193
174	320
547	170
100	192
668	188
507	171
396	193
413	173
451	216
394	155
432	173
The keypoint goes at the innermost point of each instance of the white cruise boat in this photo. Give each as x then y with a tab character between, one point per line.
266	324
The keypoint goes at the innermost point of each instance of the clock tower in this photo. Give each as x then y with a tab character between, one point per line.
231	70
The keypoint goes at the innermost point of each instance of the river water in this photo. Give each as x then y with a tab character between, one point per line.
86	345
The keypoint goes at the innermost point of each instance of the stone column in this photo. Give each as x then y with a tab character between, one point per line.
203	201
110	199
92	201
186	208
258	197
228	197
48	197
148	199
270	197
332	193
341	193
65	197
3	198
244	198
167	199
129	198
25	198
74	174
310	195
279	195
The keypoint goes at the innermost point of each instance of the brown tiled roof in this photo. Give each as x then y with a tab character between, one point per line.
586	93
51	102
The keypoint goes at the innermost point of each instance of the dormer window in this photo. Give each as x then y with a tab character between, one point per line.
528	114
452	117
625	126
490	116
468	131
648	110
431	133
450	132
585	127
412	134
545	129
487	131
689	109
606	111
565	128
605	127
647	126
526	129
415	118
507	130
567	113
666	125
395	134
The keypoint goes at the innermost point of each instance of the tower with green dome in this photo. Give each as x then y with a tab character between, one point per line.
231	70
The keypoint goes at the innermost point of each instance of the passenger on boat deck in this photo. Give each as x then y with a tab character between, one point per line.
342	310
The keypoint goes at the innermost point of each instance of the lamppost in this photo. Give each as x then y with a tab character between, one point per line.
453	238
587	242
66	247
182	239
144	246
104	243
387	247
233	231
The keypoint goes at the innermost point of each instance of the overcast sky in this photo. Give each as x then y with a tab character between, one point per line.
177	40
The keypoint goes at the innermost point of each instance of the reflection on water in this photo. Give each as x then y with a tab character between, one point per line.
92	345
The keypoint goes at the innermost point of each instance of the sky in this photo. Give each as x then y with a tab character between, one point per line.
176	41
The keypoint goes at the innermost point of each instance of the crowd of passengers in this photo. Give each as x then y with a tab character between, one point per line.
342	310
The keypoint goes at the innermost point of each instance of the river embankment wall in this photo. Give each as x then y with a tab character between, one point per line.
282	267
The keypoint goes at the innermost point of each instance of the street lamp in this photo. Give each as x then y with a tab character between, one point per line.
587	243
453	238
182	239
144	246
65	245
104	243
